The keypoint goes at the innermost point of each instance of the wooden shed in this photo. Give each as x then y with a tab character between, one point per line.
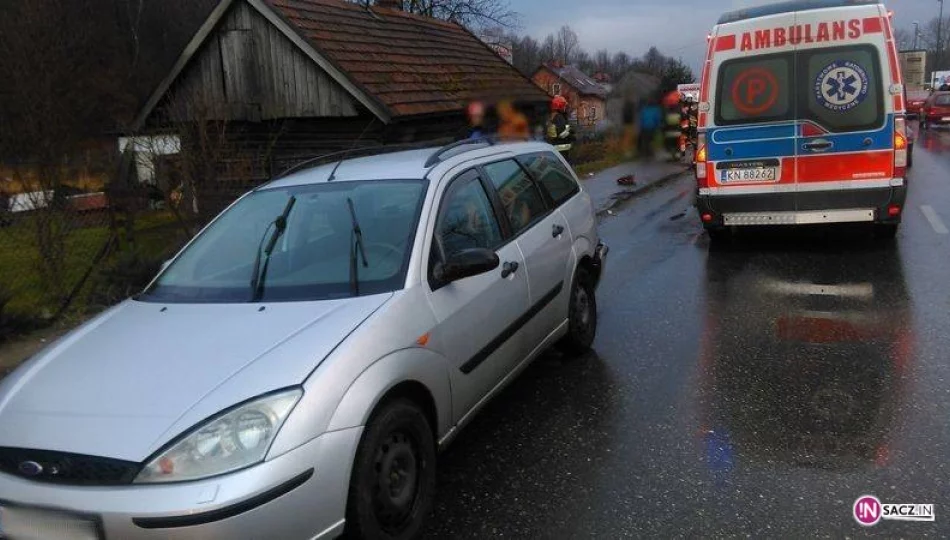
285	80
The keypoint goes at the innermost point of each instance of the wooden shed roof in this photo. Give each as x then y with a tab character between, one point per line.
396	64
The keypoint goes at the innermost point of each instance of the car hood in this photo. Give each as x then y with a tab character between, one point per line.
131	379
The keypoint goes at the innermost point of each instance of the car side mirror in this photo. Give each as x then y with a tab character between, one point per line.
466	263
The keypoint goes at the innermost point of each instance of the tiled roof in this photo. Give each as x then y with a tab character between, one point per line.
576	78
410	64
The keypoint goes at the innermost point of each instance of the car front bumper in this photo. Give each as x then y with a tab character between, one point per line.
300	494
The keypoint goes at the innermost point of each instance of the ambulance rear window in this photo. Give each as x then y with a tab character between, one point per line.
754	90
841	89
838	88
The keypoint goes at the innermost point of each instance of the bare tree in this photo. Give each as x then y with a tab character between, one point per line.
548	49
620	64
469	13
602	60
584	62
937	60
527	54
566	45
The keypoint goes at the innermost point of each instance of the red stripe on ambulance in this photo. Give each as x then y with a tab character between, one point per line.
872	25
836	167
824	32
726	43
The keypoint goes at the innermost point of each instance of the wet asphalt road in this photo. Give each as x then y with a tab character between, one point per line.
753	390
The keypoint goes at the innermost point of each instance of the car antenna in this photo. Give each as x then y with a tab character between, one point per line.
350	149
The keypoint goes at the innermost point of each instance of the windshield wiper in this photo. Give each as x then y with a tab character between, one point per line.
356	243
260	271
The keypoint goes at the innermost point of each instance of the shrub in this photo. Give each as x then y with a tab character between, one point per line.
13	324
124	275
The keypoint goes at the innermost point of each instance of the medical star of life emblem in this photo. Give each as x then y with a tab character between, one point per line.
841	86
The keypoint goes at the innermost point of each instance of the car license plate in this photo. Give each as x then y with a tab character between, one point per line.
18	523
757	174
945	119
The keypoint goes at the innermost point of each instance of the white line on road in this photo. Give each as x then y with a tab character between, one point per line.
934	219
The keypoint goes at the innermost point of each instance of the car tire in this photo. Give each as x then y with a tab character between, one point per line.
886	231
581	315
719	235
392	485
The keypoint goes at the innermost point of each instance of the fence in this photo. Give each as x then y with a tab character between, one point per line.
69	251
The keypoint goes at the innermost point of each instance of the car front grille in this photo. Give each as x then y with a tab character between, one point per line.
65	468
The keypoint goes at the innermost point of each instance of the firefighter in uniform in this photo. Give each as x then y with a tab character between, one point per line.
559	132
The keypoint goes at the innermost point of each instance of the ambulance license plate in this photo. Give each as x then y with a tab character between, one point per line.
756	174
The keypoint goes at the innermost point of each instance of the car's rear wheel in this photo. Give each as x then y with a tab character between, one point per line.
393	479
582	315
719	235
886	231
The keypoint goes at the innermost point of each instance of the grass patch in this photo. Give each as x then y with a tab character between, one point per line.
31	297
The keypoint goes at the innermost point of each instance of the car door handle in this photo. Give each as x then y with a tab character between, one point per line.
818	145
508	268
557	230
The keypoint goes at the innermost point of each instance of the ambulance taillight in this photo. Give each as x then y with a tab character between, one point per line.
900	147
701	156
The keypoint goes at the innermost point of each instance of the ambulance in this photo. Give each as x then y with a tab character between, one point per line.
802	118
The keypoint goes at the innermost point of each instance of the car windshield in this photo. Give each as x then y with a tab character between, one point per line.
336	240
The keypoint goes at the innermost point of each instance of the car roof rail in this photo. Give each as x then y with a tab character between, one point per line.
481	142
360	151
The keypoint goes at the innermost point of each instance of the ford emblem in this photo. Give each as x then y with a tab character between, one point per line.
30	468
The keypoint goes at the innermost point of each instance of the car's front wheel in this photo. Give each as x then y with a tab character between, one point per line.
582	315
393	480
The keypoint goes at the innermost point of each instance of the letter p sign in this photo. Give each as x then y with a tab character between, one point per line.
754	91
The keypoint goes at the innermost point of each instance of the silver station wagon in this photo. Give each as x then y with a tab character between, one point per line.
293	371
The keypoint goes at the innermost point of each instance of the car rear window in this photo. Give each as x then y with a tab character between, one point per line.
838	88
942	100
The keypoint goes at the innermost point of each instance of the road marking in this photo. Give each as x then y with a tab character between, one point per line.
934	219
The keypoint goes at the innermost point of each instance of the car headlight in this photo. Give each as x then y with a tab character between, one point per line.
230	441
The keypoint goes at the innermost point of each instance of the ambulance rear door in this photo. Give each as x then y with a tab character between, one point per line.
845	109
752	145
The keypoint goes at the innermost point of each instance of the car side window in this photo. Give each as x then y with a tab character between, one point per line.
554	178
467	220
519	195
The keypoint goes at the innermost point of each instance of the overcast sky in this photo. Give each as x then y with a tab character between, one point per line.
676	27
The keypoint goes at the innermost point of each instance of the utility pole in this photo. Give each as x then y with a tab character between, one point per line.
937	64
916	33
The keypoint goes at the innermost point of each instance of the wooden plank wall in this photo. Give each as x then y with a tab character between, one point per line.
248	70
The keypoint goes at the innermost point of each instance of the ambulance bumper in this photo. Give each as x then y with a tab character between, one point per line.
719	209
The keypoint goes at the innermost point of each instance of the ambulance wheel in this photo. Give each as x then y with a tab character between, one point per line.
886	231
719	235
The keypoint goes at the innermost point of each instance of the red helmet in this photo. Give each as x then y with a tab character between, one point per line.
559	104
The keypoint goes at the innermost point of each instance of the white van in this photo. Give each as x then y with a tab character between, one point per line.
802	118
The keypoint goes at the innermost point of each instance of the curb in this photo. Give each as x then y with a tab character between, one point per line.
624	195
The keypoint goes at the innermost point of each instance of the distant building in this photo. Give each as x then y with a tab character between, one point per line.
294	80
586	96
